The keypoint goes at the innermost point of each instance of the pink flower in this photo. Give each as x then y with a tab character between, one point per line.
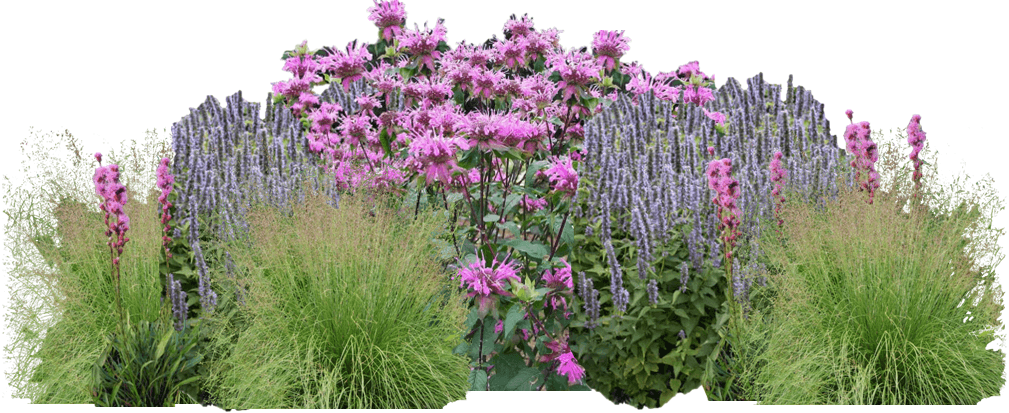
301	66
531	205
609	46
434	156
576	70
690	69
486	282
521	27
697	94
563	176
499	327
485	83
559	278
388	16
422	44
716	116
483	131
570	368
349	65
512	52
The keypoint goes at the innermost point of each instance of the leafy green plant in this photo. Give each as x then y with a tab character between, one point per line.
651	352
149	364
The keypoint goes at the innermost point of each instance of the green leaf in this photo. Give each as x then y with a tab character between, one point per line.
164	342
515	314
533	250
386	141
470	158
491	218
523	380
510	226
478	380
505	368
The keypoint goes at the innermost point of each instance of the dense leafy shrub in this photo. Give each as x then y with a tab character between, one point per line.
654	350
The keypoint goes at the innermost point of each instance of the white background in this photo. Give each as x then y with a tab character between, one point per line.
109	71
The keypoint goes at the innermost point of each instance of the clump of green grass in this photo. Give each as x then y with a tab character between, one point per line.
885	303
62	304
347	308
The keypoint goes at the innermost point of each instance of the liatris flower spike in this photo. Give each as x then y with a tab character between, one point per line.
916	138
777	176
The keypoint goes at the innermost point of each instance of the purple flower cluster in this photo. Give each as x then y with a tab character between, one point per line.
916	138
228	159
860	144
114	198
778	174
165	181
620	295
590	296
180	308
637	150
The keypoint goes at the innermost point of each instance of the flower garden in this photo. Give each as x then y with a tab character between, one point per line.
505	215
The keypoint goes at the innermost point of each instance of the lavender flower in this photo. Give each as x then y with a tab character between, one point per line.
180	309
653	291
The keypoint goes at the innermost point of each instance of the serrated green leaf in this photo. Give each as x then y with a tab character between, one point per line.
523	380
478	380
515	314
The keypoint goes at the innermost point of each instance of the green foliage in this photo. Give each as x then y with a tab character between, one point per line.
147	365
346	309
878	305
637	357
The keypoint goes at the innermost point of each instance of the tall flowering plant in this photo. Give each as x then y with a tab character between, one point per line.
114	197
860	144
491	133
916	138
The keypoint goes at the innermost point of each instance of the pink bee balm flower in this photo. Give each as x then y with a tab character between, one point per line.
434	156
576	70
422	44
389	17
484	282
559	278
521	27
697	94
485	83
530	205
716	116
349	65
570	368
609	46
512	52
563	176
690	69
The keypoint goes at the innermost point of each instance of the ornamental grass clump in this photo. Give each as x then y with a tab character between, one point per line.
882	303
347	308
74	274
